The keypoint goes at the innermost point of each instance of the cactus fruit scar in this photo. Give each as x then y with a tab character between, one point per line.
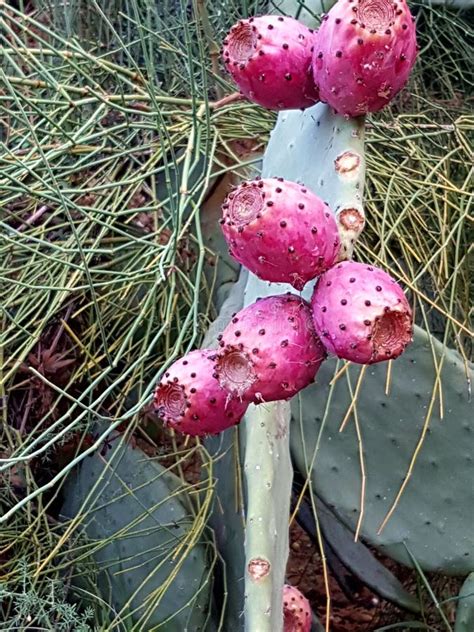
280	231
190	400
361	314
363	54
296	610
269	58
269	351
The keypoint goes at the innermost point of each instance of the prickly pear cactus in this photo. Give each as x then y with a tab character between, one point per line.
336	174
433	517
465	609
138	517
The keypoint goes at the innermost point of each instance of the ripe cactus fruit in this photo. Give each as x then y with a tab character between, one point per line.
296	610
269	351
361	313
363	54
269	58
190	400
280	231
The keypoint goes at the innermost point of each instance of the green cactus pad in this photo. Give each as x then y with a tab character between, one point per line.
434	515
138	517
465	609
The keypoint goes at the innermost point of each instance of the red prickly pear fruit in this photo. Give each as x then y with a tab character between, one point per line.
269	58
296	610
363	54
190	399
361	313
280	231
269	351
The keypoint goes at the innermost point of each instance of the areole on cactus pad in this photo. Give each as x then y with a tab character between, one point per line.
280	230
270	350
269	58
190	399
296	610
361	313
363	54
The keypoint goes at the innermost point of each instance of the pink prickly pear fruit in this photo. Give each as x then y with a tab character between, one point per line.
280	231
361	313
363	54
269	351
190	399
269	58
296	610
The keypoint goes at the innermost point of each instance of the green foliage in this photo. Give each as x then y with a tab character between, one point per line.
110	144
402	455
154	564
465	609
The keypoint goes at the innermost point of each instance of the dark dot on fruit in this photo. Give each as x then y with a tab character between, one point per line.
272	365
338	20
285	46
280	19
291	250
352	280
328	283
360	41
269	203
339	53
167	374
261	53
261	332
314	230
388	32
212	400
283	223
284	343
378	288
193	375
402	57
175	379
324	309
278	189
368	303
404	27
353	345
237	333
320	55
301	205
270	26
367	322
342	326
255	350
288	76
343	301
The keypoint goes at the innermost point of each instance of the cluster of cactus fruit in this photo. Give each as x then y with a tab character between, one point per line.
357	61
273	348
282	232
